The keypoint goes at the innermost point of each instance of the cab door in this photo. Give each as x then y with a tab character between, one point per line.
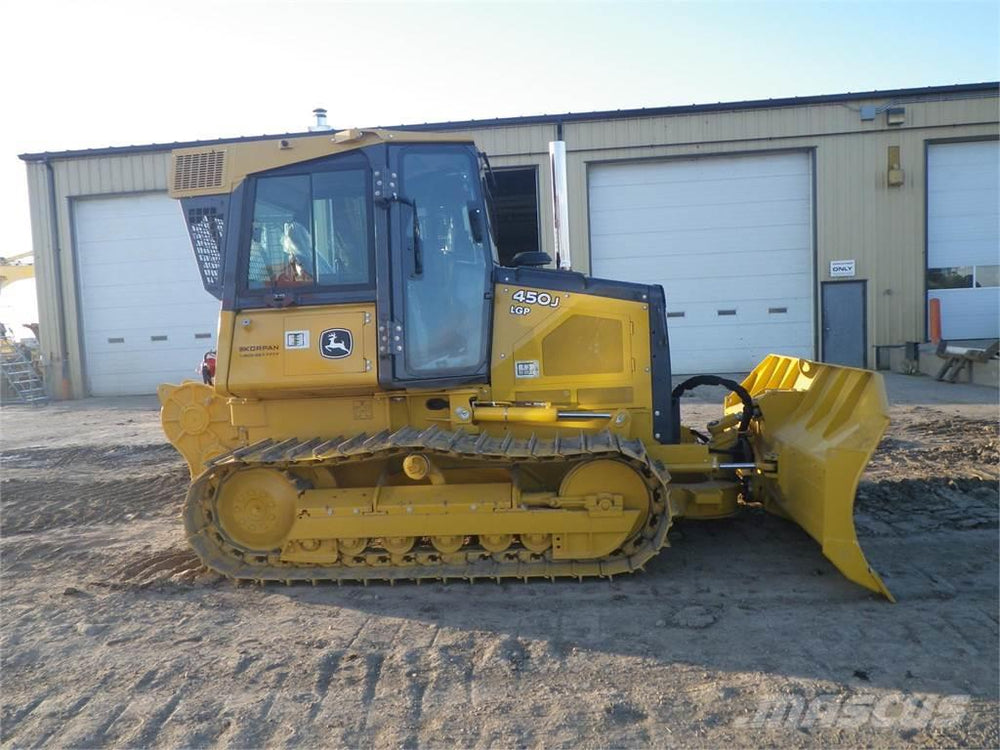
441	265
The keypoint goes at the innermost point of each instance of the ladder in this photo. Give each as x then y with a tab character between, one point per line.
20	374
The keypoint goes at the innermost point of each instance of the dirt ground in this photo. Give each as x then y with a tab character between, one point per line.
113	635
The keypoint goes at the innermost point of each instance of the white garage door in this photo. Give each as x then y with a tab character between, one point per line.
963	237
730	240
146	317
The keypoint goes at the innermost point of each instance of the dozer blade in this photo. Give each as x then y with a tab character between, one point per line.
820	425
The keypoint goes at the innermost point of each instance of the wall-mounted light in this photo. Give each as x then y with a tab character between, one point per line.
894	173
895	115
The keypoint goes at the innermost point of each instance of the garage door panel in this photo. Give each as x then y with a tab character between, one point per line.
949	229
178	333
972	191
782	291
142	357
950	233
156	222
731	234
968	313
114	321
964	252
731	242
763	310
727	192
110	286
963	230
743	336
138	280
700	217
118	254
945	155
108	294
698	171
721	360
153	361
763	265
118	383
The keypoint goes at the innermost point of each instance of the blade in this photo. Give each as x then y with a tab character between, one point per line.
820	423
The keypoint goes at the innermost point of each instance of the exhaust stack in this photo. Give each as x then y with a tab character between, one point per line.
560	203
321	124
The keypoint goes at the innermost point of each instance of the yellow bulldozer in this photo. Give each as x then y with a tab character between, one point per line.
391	403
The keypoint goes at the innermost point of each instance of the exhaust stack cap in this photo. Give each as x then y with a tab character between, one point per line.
321	123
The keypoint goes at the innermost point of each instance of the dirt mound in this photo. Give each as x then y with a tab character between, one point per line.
937	447
909	506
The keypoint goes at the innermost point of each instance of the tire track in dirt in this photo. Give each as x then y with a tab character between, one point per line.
64	717
419	672
157	567
89	457
328	665
64	711
151	729
13	719
99	734
253	730
33	505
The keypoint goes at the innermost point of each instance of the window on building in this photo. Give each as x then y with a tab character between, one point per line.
515	211
963	277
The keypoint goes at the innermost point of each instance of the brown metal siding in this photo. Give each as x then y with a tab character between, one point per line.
857	215
75	179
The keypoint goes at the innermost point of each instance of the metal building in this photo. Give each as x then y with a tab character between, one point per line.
816	226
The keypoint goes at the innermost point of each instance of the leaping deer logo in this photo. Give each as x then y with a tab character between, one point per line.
336	343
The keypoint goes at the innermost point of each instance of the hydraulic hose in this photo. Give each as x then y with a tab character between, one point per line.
739	390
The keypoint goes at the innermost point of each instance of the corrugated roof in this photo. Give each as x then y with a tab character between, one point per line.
961	88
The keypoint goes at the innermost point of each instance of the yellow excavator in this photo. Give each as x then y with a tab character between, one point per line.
15	268
391	403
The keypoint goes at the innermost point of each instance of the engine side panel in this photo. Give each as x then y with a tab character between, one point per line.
572	350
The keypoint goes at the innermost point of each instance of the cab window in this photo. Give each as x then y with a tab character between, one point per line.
311	230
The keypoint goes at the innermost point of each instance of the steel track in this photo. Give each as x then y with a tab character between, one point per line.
424	562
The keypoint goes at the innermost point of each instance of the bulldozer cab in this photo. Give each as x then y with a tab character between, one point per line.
402	226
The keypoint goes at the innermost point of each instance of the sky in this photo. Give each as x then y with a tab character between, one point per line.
109	73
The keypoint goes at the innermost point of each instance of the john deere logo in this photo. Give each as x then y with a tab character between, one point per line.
336	343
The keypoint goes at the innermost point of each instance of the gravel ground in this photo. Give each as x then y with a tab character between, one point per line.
113	635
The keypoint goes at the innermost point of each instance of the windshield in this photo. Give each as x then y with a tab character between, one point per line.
311	230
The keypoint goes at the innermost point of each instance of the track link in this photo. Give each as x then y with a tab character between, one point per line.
219	554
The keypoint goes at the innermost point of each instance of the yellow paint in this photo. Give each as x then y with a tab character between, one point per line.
821	424
241	159
575	368
265	359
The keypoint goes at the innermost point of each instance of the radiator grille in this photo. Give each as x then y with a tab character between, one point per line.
201	170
